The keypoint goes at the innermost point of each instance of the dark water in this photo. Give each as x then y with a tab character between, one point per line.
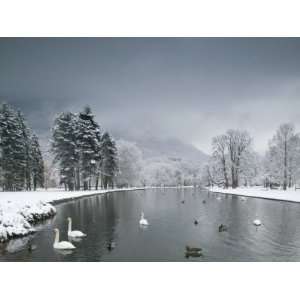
115	218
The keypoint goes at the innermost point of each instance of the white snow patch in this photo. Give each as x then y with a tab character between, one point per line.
261	192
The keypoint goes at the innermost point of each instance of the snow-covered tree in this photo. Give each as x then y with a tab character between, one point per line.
89	145
231	153
238	142
109	158
130	164
282	158
220	156
37	163
65	149
16	161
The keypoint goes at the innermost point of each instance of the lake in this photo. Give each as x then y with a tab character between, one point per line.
113	219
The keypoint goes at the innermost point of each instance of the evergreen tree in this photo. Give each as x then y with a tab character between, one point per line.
89	143
65	149
12	147
16	159
109	166
37	164
24	155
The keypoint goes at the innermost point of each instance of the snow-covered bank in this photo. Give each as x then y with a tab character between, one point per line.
20	210
261	192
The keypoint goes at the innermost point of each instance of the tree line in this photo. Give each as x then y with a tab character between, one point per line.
86	158
234	163
21	162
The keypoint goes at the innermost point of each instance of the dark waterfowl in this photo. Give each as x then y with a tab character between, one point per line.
196	222
31	247
182	201
110	246
222	228
203	201
192	249
193	252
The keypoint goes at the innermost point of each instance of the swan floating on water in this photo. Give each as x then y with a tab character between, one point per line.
143	221
257	222
74	233
63	245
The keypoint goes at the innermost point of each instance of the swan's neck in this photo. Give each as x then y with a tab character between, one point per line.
56	240
70	225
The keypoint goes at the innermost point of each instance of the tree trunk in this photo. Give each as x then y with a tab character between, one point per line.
233	183
226	184
77	179
285	166
97	182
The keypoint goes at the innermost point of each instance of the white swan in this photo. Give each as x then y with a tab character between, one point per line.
143	221
74	233
64	245
257	222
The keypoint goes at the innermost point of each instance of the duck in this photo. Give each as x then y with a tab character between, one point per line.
192	249
74	233
203	201
182	201
193	252
196	222
110	246
63	245
257	222
222	228
143	221
31	247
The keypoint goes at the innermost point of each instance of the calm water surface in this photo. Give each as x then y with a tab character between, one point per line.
115	217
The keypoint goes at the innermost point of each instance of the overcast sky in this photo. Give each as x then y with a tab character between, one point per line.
187	88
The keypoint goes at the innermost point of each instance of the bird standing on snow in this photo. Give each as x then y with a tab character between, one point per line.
74	233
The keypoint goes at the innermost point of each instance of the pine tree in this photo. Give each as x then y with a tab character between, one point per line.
15	149
65	148
37	164
12	160
109	164
89	143
24	155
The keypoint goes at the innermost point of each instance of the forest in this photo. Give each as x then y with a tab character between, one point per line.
234	163
85	157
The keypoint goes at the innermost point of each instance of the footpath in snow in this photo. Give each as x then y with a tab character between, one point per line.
20	210
261	192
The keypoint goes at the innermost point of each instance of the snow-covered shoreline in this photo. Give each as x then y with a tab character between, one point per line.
20	210
290	195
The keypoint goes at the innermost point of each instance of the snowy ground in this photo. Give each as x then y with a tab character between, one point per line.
261	192
19	210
